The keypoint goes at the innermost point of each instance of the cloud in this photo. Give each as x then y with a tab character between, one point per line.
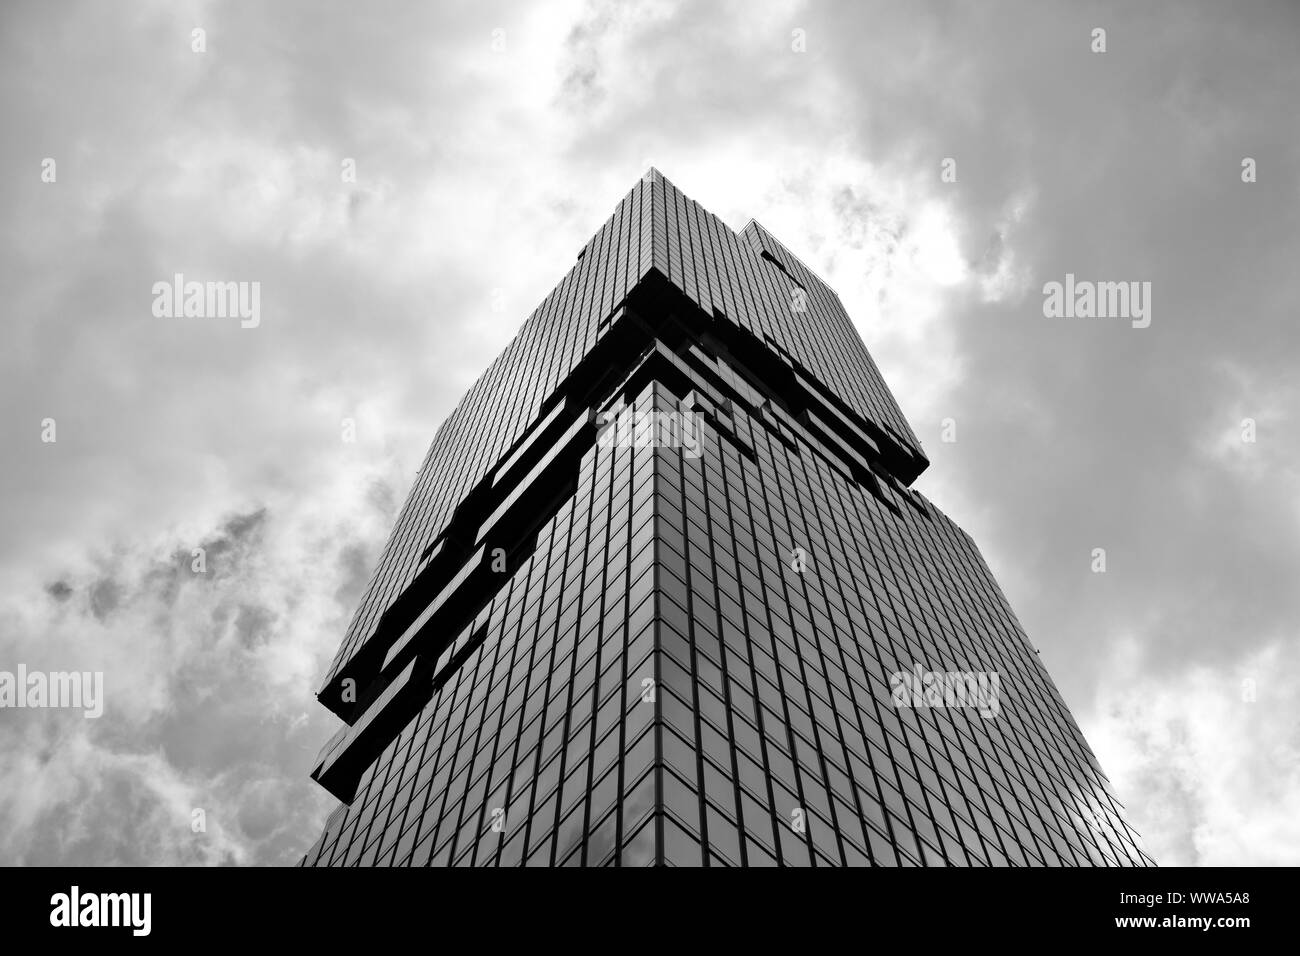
1208	759
209	657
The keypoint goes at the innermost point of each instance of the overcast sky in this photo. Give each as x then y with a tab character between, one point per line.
489	144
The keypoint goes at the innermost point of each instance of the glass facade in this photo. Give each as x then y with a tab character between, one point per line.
662	595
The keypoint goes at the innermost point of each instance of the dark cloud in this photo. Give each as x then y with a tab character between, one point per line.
356	564
104	597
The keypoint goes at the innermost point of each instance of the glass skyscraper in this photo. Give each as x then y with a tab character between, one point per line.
662	594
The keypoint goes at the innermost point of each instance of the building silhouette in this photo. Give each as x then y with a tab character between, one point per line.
662	594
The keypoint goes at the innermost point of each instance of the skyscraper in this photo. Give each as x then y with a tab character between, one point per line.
662	594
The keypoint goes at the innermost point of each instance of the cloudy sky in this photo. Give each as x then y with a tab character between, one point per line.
489	143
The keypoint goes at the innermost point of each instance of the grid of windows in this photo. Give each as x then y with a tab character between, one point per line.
696	661
790	595
506	399
539	749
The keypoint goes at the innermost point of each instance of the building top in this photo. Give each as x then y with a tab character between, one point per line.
660	253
